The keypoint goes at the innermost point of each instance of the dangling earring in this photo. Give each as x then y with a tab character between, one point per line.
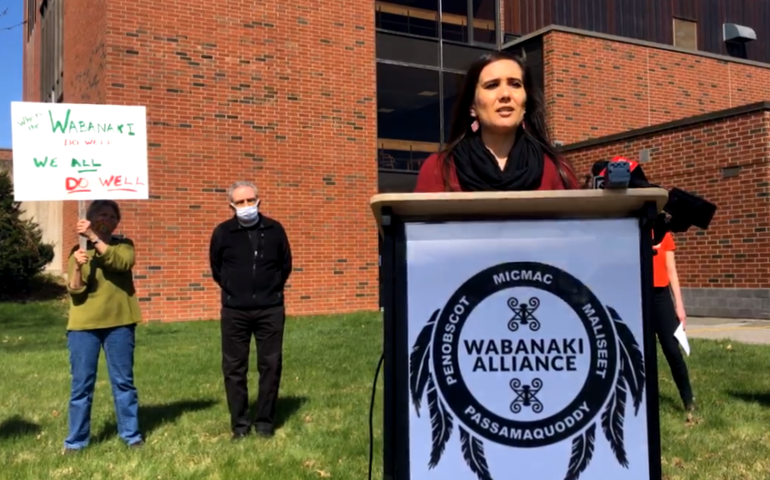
475	122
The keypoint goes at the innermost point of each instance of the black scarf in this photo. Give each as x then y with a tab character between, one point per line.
478	170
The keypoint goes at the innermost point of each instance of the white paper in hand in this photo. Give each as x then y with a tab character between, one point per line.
682	337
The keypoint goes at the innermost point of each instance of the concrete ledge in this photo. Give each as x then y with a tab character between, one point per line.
737	303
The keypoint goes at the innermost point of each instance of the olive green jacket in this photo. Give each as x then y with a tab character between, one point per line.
108	297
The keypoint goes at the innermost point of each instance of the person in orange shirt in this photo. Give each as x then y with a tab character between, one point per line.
668	313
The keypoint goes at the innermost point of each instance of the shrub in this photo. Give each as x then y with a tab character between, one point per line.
23	255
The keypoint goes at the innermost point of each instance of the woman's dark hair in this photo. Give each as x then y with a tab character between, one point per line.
97	205
534	117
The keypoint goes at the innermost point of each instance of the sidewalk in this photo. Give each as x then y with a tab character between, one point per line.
739	330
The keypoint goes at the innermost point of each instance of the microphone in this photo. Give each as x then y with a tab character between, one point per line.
682	210
619	173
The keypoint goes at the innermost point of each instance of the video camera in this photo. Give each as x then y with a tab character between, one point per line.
682	211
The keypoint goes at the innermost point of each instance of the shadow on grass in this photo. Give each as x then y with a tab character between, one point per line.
39	312
670	403
285	408
41	288
151	417
17	426
762	399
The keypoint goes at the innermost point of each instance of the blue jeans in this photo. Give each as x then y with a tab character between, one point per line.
85	347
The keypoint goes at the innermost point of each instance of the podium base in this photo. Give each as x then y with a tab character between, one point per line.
529	260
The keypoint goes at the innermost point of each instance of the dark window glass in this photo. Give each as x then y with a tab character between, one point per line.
31	16
484	21
408	116
415	17
402	49
454	21
396	181
461	57
51	50
453	83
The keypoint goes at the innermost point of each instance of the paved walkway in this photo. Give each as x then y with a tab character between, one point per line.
739	330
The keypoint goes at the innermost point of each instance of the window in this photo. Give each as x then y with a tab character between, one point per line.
453	83
484	21
408	116
396	181
685	34
398	48
51	51
459	24
454	22
31	14
415	17
464	21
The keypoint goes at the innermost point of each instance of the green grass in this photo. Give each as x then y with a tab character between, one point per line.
329	363
323	409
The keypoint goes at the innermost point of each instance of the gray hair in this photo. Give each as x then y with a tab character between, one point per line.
237	185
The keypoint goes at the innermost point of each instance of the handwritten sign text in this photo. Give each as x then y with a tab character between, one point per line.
79	152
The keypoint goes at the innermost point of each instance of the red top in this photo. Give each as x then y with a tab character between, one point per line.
660	263
431	178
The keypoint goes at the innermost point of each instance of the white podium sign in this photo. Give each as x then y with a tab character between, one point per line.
526	350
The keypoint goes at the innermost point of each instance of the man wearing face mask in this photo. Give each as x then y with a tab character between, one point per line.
251	261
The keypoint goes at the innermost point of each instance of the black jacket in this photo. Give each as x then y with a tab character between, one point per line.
251	265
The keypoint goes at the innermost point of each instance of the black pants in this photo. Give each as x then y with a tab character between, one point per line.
666	322
238	326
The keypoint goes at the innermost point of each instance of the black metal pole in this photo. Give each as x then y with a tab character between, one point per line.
649	214
387	280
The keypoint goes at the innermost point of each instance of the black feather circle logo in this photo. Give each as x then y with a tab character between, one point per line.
615	379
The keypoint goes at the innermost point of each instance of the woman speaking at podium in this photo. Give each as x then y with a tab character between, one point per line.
498	138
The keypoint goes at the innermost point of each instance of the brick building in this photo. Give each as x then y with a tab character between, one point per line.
324	105
699	122
6	155
6	160
723	156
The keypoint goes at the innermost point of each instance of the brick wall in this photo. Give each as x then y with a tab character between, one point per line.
6	160
725	270
85	61
596	87
280	95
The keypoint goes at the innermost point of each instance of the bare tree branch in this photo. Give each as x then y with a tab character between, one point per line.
4	13
14	26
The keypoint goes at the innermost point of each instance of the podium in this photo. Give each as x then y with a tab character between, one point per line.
518	342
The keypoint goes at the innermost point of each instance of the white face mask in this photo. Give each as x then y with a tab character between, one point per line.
248	214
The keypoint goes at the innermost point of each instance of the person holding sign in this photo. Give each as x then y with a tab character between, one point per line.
251	261
667	316
499	138
103	314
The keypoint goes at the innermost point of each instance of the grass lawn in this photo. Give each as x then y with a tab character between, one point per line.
329	363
